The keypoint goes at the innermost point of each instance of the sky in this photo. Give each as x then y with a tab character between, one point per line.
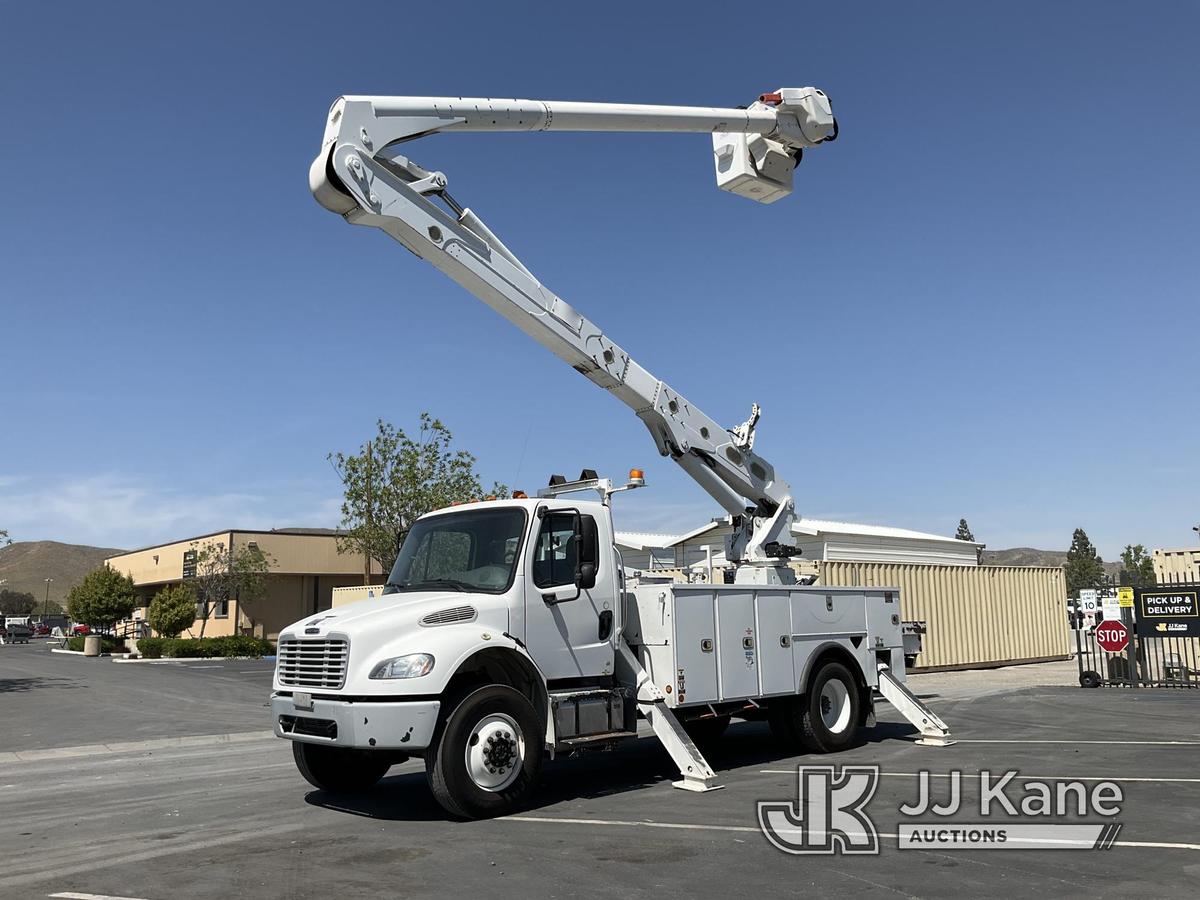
980	302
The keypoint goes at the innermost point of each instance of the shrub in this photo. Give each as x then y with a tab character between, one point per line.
172	610
204	648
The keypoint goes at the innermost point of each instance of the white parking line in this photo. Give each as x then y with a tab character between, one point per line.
1146	743
1015	777
689	826
75	895
206	667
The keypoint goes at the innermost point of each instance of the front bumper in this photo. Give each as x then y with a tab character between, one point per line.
353	723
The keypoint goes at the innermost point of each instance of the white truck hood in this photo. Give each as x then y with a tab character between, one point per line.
394	625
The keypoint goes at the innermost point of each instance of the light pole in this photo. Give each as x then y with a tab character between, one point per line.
46	608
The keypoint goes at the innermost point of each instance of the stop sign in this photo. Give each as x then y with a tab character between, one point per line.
1112	636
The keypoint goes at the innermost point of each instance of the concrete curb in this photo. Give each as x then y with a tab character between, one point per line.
193	659
73	652
195	740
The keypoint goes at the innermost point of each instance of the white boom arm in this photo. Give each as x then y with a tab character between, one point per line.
362	175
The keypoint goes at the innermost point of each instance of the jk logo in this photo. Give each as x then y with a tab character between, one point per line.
829	813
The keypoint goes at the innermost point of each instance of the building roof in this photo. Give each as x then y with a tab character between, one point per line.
802	526
826	526
306	532
644	540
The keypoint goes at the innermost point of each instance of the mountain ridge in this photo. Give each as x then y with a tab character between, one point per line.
25	566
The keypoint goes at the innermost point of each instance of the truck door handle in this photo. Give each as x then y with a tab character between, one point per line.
606	624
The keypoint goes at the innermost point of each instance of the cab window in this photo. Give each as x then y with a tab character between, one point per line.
556	553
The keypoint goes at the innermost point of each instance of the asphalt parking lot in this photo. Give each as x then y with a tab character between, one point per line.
161	781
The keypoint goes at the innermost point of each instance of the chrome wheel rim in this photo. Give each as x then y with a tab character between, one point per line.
835	706
495	752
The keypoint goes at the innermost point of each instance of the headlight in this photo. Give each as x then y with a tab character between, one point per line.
412	666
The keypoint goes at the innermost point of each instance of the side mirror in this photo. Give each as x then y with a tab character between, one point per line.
585	576
588	553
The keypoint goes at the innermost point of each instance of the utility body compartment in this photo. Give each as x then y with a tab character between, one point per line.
706	643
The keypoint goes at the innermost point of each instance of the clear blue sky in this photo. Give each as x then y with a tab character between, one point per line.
981	301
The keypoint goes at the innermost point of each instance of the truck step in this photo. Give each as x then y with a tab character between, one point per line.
607	738
588	713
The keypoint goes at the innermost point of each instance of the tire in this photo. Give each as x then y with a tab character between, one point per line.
341	770
830	710
1090	679
487	756
706	733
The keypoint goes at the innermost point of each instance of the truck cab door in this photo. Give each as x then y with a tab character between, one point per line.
569	628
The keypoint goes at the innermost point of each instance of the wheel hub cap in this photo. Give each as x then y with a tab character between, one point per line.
835	706
495	752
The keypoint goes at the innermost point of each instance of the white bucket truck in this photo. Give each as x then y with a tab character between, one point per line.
509	631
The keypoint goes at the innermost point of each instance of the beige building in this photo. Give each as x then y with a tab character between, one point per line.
305	568
1177	566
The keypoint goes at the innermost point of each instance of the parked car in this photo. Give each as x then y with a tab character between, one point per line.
80	629
41	629
17	632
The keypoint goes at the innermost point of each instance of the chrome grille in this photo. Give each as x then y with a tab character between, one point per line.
446	616
313	663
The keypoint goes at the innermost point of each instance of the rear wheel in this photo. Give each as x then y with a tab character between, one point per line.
340	769
486	759
830	709
825	719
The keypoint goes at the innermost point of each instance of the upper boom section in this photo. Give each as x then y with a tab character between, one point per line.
755	148
797	117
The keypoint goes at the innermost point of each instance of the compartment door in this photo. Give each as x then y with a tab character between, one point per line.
737	645
695	648
777	672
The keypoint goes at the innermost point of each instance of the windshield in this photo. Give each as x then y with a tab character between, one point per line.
475	550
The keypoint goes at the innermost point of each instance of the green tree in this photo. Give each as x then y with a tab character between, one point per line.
1137	567
16	603
228	573
394	479
103	598
1084	568
964	531
172	610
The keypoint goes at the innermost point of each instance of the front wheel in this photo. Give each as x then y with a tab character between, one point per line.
340	769
486	760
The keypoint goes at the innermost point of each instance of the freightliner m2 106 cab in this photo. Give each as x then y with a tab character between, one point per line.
510	630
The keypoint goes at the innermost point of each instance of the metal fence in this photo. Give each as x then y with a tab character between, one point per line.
1165	662
1162	627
